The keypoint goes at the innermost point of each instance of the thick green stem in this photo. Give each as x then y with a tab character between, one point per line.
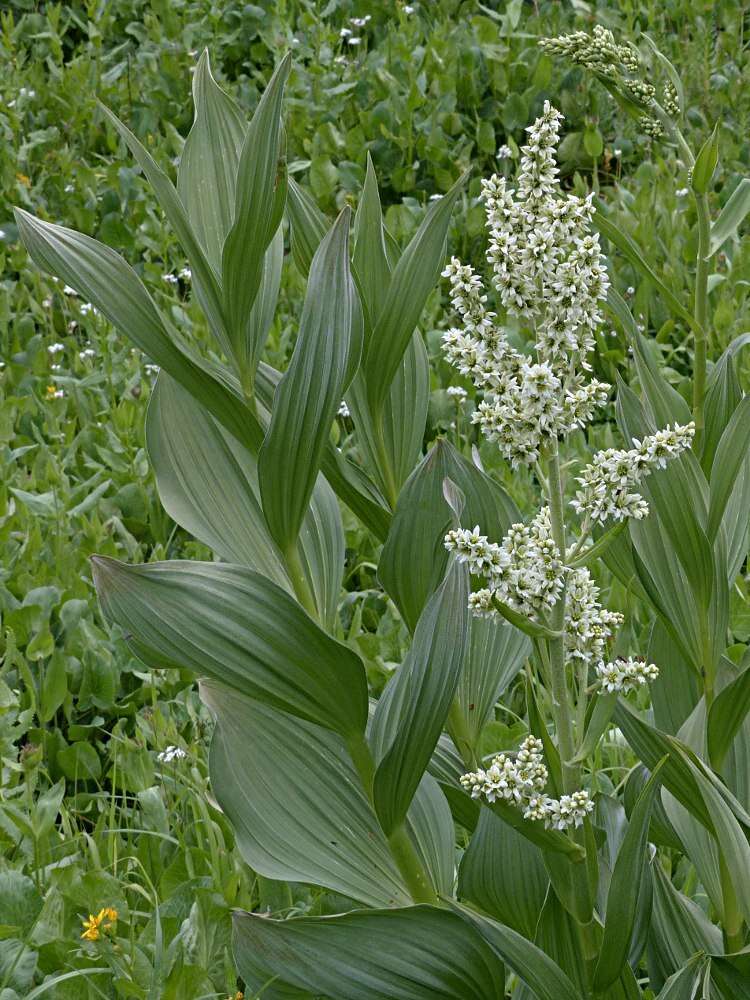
386	469
401	847
560	694
734	939
299	581
700	312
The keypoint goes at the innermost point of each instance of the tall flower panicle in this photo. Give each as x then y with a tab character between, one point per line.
548	271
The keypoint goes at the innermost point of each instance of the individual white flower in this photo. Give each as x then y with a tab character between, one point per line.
69	290
345	33
185	274
2	234
87	307
171	753
504	152
87	352
682	192
625	675
457	392
55	348
608	483
354	41
343	410
152	369
171	279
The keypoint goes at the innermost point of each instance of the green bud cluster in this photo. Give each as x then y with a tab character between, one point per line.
652	127
671	101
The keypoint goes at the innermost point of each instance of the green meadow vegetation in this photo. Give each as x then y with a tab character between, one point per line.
276	720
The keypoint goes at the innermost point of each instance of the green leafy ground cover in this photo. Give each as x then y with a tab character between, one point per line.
95	810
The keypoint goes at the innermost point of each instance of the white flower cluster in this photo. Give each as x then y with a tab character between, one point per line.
171	754
524	572
588	625
548	271
625	675
608	484
520	780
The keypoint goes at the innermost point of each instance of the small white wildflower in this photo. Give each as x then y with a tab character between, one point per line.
46	303
69	188
504	152
88	307
345	33
682	192
630	290
185	273
87	352
360	22
72	326
457	392
343	410
435	197
353	41
68	290
55	368
2	234
171	279
152	369
55	348
172	753
617	152
408	9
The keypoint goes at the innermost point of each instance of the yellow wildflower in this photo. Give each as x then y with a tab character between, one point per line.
23	179
105	920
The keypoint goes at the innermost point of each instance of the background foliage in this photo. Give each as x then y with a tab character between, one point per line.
89	815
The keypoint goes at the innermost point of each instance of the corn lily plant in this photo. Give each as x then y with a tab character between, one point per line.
455	874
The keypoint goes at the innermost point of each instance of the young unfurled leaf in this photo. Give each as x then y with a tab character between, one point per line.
705	162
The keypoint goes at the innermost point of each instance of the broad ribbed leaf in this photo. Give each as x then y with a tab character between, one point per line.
622	899
260	193
205	280
307	397
430	826
295	802
308	225
731	456
726	716
414	953
497	651
261	315
413	278
207	174
402	421
530	963
504	874
347	480
103	278
731	216
208	482
686	982
431	671
370	266
414	557
678	688
231	624
679	928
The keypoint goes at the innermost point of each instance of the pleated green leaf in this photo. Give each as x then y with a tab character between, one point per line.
622	898
685	983
430	826
731	456
413	278
295	802
308	225
432	669
260	194
726	715
679	928
503	874
497	652
414	557
413	953
103	278
208	483
529	962
370	266
731	216
234	625
307	397
207	175
205	279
